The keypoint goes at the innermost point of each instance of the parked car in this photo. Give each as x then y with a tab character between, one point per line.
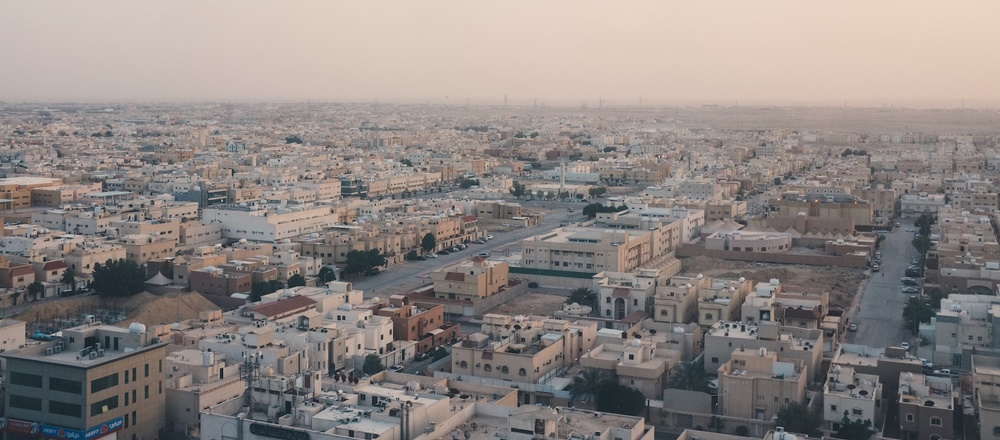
905	345
480	241
927	363
432	255
910	282
420	258
911	289
483	255
398	367
853	327
875	267
444	252
945	372
372	272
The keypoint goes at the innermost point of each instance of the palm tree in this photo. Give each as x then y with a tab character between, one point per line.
582	296
585	385
34	289
690	376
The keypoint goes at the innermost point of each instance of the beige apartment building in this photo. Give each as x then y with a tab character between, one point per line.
721	300
471	281
756	384
677	301
521	350
637	363
857	394
926	407
788	342
102	377
593	250
986	393
141	248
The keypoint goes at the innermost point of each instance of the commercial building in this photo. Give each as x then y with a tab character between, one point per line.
93	377
261	223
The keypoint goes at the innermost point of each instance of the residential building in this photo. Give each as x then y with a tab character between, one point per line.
471	281
756	384
926	407
856	395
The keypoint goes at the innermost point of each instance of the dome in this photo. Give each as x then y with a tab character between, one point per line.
346	307
137	328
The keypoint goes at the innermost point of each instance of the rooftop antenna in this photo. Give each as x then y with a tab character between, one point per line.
250	373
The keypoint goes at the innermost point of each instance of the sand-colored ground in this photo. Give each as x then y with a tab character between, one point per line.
842	282
532	303
143	307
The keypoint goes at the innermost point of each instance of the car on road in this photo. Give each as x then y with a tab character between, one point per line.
570	209
372	272
897	224
398	367
945	372
853	327
480	241
875	267
905	345
911	289
907	281
483	255
444	252
926	363
489	237
420	258
432	255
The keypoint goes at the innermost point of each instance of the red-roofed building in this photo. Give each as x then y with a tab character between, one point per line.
284	308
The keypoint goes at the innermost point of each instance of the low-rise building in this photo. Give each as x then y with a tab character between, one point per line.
756	384
926	407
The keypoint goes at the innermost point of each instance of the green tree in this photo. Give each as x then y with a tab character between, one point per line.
796	417
362	261
619	399
935	296
584	385
69	278
716	424
917	310
468	183
296	280
34	289
854	429
582	296
428	243
690	376
923	244
598	191
14	296
518	190
258	290
373	364
411	255
540	195
293	139
439	353
741	431
118	278
327	274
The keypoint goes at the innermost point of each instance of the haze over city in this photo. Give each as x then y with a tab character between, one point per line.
861	53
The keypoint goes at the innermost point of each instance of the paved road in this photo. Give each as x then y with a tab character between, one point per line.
413	274
880	319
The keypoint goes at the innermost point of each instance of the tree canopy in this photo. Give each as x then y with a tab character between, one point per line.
293	139
518	190
257	290
296	280
597	191
917	309
428	243
690	376
854	429
582	296
363	261
585	384
796	417
118	278
373	364
619	399
69	278
327	274
593	209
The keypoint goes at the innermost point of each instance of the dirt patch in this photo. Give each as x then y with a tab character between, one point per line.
842	282
143	307
531	303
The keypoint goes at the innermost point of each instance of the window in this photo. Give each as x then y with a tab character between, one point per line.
487	368
65	385
909	417
126	376
607	300
996	431
463	364
146	370
935	421
856	411
159	387
25	402
161	365
65	409
631	357
126	398
26	380
104	383
635	302
833	407
504	369
104	406
522	372
715	360
133	373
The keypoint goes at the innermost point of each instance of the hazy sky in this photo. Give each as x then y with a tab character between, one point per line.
569	51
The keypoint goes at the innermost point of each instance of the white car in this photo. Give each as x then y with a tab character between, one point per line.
489	237
905	345
432	255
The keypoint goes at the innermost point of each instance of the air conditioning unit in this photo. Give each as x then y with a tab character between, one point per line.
84	352
48	351
58	348
100	353
93	355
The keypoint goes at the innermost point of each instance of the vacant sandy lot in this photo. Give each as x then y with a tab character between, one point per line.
532	303
842	282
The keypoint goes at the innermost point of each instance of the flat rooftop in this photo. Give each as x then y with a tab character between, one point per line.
73	358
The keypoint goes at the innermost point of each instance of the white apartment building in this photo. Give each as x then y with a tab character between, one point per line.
259	223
